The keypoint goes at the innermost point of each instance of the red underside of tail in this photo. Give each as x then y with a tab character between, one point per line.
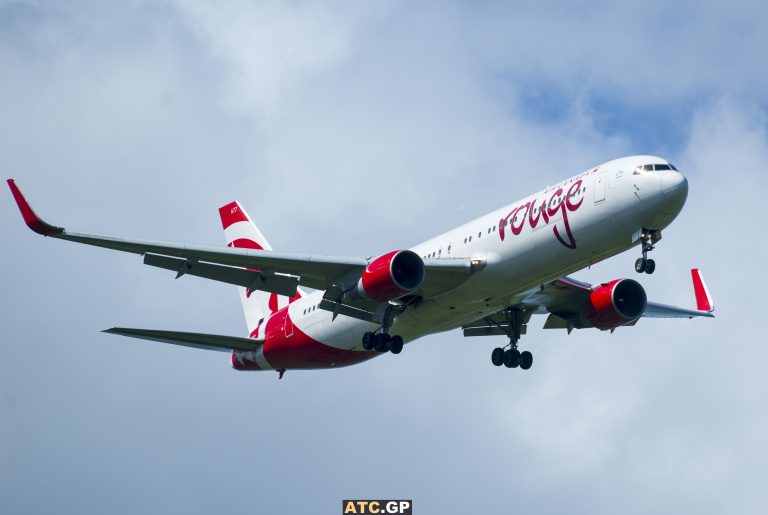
294	349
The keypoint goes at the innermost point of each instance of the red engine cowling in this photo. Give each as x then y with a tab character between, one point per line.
614	304
391	276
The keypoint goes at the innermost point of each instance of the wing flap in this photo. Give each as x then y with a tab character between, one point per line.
251	279
196	340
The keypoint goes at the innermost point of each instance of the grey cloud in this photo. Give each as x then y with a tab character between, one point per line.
352	132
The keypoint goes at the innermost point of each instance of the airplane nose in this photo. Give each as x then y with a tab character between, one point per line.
675	187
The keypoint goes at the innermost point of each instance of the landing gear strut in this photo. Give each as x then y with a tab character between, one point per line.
509	355
381	340
648	239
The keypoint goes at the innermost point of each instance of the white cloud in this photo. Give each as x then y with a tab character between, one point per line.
271	47
349	130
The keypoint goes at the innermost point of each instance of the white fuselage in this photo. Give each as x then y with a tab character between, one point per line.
533	241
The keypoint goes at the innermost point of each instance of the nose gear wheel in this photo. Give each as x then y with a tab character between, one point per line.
648	238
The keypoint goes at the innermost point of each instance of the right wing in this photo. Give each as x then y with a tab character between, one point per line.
565	297
275	272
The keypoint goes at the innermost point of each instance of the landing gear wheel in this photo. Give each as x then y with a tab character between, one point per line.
397	344
648	239
497	357
526	360
368	340
382	342
511	358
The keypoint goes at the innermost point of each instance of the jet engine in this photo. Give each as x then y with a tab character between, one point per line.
391	276
614	304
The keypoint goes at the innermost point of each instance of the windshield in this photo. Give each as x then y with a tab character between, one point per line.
654	167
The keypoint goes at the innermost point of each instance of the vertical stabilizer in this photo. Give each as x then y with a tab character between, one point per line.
242	233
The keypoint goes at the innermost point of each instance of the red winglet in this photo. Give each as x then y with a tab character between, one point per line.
30	218
703	298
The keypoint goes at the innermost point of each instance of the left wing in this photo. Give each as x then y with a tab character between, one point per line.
275	272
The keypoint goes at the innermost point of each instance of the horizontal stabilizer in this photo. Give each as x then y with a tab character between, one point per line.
197	340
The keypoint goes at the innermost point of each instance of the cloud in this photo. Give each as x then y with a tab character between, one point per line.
355	130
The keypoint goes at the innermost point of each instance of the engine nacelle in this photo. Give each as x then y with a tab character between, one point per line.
391	276
614	304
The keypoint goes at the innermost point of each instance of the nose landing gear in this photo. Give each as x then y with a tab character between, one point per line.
648	239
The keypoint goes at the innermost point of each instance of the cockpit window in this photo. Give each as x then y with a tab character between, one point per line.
657	167
650	168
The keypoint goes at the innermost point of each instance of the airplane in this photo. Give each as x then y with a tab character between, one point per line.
487	277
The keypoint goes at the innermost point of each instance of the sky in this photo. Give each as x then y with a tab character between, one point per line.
355	129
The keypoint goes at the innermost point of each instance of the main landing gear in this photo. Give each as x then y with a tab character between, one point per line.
383	342
643	264
509	355
511	358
